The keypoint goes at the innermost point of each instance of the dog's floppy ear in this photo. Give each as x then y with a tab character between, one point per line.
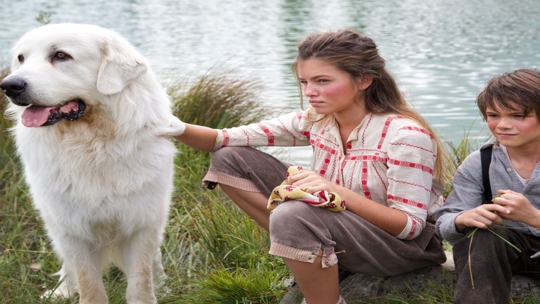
120	64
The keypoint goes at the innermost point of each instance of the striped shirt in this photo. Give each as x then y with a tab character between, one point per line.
388	158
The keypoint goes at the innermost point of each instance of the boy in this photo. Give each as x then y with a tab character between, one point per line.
510	104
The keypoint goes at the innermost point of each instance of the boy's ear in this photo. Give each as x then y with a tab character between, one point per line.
363	82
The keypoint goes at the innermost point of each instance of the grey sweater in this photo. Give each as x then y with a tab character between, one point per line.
468	191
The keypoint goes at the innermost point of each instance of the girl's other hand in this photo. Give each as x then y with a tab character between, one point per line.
311	182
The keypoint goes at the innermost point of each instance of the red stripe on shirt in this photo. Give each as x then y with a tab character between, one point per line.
414	146
409	183
385	130
368	122
414	228
268	133
375	158
327	158
407	164
226	138
363	180
407	201
421	130
383	182
247	136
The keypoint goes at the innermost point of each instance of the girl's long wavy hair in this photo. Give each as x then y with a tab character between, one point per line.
358	55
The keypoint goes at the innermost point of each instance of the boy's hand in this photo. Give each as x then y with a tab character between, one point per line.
482	217
519	208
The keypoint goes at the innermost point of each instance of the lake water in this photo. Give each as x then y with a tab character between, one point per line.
441	52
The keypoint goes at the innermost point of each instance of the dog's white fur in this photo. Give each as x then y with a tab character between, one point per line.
102	183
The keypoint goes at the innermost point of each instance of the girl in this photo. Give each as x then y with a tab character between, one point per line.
370	150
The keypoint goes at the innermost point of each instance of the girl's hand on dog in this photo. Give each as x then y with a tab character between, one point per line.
173	127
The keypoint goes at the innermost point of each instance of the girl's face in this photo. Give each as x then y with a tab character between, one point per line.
513	129
328	89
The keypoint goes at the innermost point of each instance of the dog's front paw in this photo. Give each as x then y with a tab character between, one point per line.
61	292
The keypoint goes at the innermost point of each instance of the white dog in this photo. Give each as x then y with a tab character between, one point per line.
89	112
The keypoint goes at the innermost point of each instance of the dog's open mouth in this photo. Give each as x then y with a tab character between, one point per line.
36	116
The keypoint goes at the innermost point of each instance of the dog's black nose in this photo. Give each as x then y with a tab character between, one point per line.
13	87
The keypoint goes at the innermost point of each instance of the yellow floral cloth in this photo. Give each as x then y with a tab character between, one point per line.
286	192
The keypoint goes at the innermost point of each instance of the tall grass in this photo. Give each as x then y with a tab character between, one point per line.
225	250
218	99
458	153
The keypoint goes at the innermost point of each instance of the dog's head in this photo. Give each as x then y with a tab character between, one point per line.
60	70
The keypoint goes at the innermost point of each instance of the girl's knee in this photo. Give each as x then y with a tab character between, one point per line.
290	209
227	153
288	214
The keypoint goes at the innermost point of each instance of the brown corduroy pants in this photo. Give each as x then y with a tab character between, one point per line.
299	231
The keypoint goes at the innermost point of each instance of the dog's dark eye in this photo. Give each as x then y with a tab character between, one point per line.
61	56
20	58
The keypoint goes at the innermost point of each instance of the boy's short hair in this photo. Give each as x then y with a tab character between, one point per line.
517	90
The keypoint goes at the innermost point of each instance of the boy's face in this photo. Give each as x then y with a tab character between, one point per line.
513	129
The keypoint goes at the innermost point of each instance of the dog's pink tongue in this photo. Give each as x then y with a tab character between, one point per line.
35	116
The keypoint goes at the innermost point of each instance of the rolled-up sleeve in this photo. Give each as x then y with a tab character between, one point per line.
286	130
411	161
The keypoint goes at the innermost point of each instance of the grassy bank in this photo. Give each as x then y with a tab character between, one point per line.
212	252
